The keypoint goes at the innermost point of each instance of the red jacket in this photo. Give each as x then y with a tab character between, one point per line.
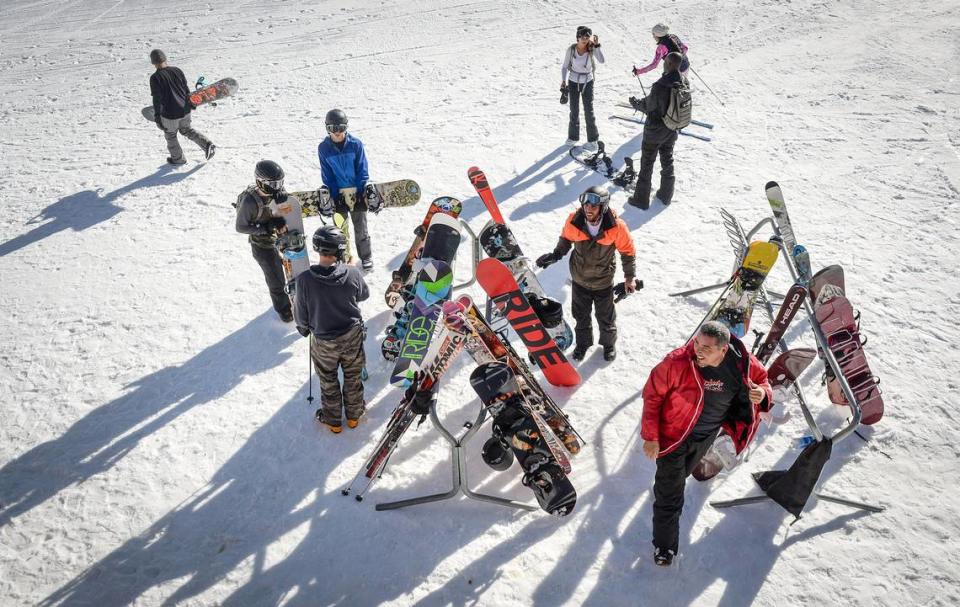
673	399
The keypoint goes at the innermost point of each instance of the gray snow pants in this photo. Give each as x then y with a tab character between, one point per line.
172	126
329	355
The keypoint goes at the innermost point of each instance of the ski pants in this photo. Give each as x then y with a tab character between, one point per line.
601	300
172	126
575	92
329	355
269	261
651	146
361	237
668	485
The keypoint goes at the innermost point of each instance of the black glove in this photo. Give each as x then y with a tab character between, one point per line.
638	105
159	123
303	331
620	290
274	223
564	95
420	400
547	259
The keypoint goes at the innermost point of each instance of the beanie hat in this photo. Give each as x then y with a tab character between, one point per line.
660	30
157	56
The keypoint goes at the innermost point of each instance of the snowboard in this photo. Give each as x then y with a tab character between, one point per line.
433	286
502	288
433	368
400	193
789	366
780	216
291	242
827	283
485	345
499	242
598	161
441	242
792	302
401	277
515	428
202	96
840	326
735	306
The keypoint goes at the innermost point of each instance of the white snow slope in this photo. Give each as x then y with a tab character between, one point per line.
155	443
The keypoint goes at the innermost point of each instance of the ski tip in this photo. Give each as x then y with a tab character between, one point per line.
771	184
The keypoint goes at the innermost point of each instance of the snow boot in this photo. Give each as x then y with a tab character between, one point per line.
609	353
579	352
663	557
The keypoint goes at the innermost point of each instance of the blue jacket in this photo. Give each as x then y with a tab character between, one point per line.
343	168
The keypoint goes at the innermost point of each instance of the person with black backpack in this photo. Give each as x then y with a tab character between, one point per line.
666	43
667	110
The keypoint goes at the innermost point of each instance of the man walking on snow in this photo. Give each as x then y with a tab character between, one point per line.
327	306
171	108
343	164
658	138
711	384
595	233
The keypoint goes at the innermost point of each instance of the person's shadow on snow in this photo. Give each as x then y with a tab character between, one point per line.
105	435
87	208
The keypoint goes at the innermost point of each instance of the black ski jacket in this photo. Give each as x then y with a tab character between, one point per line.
655	106
171	95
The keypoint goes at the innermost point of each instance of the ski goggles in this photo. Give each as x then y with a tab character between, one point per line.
593	199
271	185
336	128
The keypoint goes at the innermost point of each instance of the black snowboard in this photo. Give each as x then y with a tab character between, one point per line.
497	388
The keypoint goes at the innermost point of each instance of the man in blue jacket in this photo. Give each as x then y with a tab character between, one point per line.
343	164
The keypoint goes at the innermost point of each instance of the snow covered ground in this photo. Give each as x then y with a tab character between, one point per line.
155	442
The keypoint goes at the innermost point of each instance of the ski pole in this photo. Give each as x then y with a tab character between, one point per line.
310	369
708	86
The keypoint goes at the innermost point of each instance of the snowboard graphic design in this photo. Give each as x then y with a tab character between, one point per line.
433	287
291	242
735	306
217	90
400	193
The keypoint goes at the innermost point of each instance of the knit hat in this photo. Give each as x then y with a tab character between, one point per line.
583	30
660	30
157	56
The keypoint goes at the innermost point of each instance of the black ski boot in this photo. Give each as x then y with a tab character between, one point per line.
609	353
579	352
663	557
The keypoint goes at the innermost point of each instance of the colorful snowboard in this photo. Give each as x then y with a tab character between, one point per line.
400	193
516	428
217	90
499	242
433	287
402	276
291	242
502	288
735	306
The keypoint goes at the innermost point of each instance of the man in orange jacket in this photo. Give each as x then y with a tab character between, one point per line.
712	383
595	234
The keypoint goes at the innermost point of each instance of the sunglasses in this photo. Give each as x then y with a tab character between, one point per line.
592	199
336	128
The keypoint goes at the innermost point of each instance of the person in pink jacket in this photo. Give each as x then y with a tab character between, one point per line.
666	43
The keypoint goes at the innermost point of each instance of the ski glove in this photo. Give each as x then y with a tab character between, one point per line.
303	331
274	223
420	400
373	199
564	94
159	123
547	259
620	290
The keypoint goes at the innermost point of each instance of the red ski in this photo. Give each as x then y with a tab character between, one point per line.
479	181
499	283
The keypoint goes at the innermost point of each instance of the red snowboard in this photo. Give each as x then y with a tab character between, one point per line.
501	286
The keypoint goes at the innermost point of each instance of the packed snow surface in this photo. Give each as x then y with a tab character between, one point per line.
156	446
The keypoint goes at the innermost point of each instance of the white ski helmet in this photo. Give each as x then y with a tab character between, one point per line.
660	30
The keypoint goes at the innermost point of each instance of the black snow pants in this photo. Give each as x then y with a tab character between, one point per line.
668	485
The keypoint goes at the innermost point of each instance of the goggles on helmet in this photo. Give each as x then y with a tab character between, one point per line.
336	128
271	185
594	199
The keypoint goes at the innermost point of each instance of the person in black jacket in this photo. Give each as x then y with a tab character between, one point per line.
256	219
327	307
657	137
171	108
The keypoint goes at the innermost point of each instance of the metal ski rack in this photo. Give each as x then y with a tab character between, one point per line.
474	253
457	445
831	360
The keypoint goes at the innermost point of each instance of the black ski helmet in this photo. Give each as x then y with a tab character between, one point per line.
269	176
336	118
329	240
596	195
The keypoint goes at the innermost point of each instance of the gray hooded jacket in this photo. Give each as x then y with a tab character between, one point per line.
327	300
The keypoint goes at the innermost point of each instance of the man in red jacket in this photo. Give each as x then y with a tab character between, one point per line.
712	383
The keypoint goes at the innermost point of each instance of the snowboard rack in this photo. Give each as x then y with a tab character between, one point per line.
459	461
474	255
738	240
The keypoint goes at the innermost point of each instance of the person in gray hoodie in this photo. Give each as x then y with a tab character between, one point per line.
327	308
